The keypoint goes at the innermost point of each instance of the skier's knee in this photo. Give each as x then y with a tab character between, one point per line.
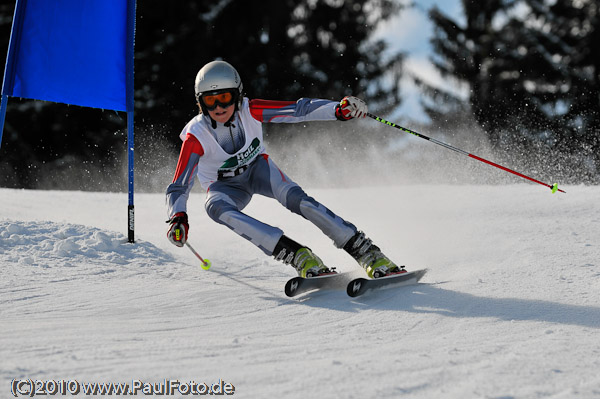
215	209
294	197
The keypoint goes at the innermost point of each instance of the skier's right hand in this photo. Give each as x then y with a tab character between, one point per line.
178	230
351	107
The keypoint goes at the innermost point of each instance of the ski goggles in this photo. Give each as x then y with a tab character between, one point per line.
224	99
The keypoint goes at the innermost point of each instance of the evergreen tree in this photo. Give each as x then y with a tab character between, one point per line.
283	49
531	69
474	54
573	29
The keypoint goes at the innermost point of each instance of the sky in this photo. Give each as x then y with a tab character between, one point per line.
410	32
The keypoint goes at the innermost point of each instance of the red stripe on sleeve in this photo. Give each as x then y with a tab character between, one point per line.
190	146
258	106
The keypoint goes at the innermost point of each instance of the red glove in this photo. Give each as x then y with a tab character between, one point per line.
178	230
351	107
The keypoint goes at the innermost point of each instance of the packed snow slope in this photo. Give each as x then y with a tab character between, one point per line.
510	307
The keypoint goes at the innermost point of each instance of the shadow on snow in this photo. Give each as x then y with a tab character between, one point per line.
426	298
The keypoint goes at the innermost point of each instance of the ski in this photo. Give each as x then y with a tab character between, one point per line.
299	285
359	286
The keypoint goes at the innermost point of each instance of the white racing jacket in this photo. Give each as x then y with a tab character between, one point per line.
202	156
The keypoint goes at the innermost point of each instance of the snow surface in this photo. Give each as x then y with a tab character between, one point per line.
510	307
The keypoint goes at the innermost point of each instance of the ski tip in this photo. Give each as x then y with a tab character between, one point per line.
420	273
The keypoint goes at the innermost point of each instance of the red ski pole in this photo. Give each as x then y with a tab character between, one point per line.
553	187
205	262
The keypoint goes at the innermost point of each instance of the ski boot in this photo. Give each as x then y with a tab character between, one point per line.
306	263
370	257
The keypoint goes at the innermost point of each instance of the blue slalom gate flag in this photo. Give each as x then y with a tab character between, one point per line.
70	51
77	52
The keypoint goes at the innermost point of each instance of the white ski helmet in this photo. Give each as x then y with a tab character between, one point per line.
217	76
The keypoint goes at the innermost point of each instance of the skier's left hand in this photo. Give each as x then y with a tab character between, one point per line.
351	107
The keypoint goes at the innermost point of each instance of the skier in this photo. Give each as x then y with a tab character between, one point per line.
223	146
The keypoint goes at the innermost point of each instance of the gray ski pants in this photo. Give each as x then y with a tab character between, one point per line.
227	198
